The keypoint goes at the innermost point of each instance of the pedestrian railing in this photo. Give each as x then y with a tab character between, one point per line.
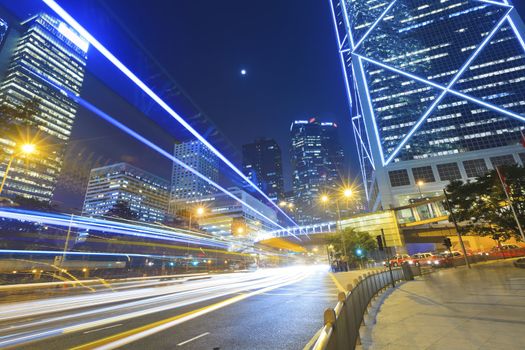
342	323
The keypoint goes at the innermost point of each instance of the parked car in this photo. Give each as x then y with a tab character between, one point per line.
507	251
397	260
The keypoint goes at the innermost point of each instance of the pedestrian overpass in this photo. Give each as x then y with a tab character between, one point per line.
423	221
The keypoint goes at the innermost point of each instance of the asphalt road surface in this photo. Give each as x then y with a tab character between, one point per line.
266	309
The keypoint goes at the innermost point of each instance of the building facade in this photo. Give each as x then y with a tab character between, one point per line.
147	195
317	165
262	163
186	187
225	216
436	91
38	50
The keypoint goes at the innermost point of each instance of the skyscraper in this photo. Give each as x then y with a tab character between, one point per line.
226	216
146	194
262	163
40	48
185	186
317	165
436	91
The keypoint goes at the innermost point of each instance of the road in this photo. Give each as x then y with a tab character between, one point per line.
267	309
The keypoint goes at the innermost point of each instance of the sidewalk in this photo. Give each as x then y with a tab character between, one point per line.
459	309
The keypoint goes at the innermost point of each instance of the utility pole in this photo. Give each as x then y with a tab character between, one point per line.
451	211
388	262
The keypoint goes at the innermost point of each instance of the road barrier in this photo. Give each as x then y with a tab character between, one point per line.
342	323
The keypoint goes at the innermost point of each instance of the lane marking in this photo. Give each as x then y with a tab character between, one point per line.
121	339
192	339
339	286
100	329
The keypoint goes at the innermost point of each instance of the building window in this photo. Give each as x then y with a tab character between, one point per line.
424	174
475	167
507	159
522	157
448	171
399	178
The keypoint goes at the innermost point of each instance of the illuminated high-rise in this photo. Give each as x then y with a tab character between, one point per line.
436	91
317	165
39	49
262	163
186	187
147	195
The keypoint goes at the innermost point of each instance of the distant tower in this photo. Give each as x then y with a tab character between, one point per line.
317	165
146	194
185	186
47	47
262	162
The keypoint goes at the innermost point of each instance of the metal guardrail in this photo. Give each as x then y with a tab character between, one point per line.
342	323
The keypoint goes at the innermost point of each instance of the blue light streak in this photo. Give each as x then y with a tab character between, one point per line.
145	141
60	252
108	226
53	5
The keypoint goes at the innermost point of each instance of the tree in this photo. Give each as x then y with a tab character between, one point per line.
122	210
481	206
358	244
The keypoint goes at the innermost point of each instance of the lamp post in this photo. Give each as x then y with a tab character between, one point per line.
346	193
198	212
419	184
25	149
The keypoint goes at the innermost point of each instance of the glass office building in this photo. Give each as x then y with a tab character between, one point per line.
147	195
262	163
317	165
186	187
41	49
436	91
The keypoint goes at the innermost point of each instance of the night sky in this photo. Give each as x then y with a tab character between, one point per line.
287	47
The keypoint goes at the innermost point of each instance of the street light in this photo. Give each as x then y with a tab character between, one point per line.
347	192
25	149
419	184
324	198
198	212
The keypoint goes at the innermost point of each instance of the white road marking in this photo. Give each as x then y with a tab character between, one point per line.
192	339
100	329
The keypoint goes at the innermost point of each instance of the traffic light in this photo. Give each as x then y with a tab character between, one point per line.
447	243
380	242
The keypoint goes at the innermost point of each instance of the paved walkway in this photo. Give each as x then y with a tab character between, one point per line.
483	308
